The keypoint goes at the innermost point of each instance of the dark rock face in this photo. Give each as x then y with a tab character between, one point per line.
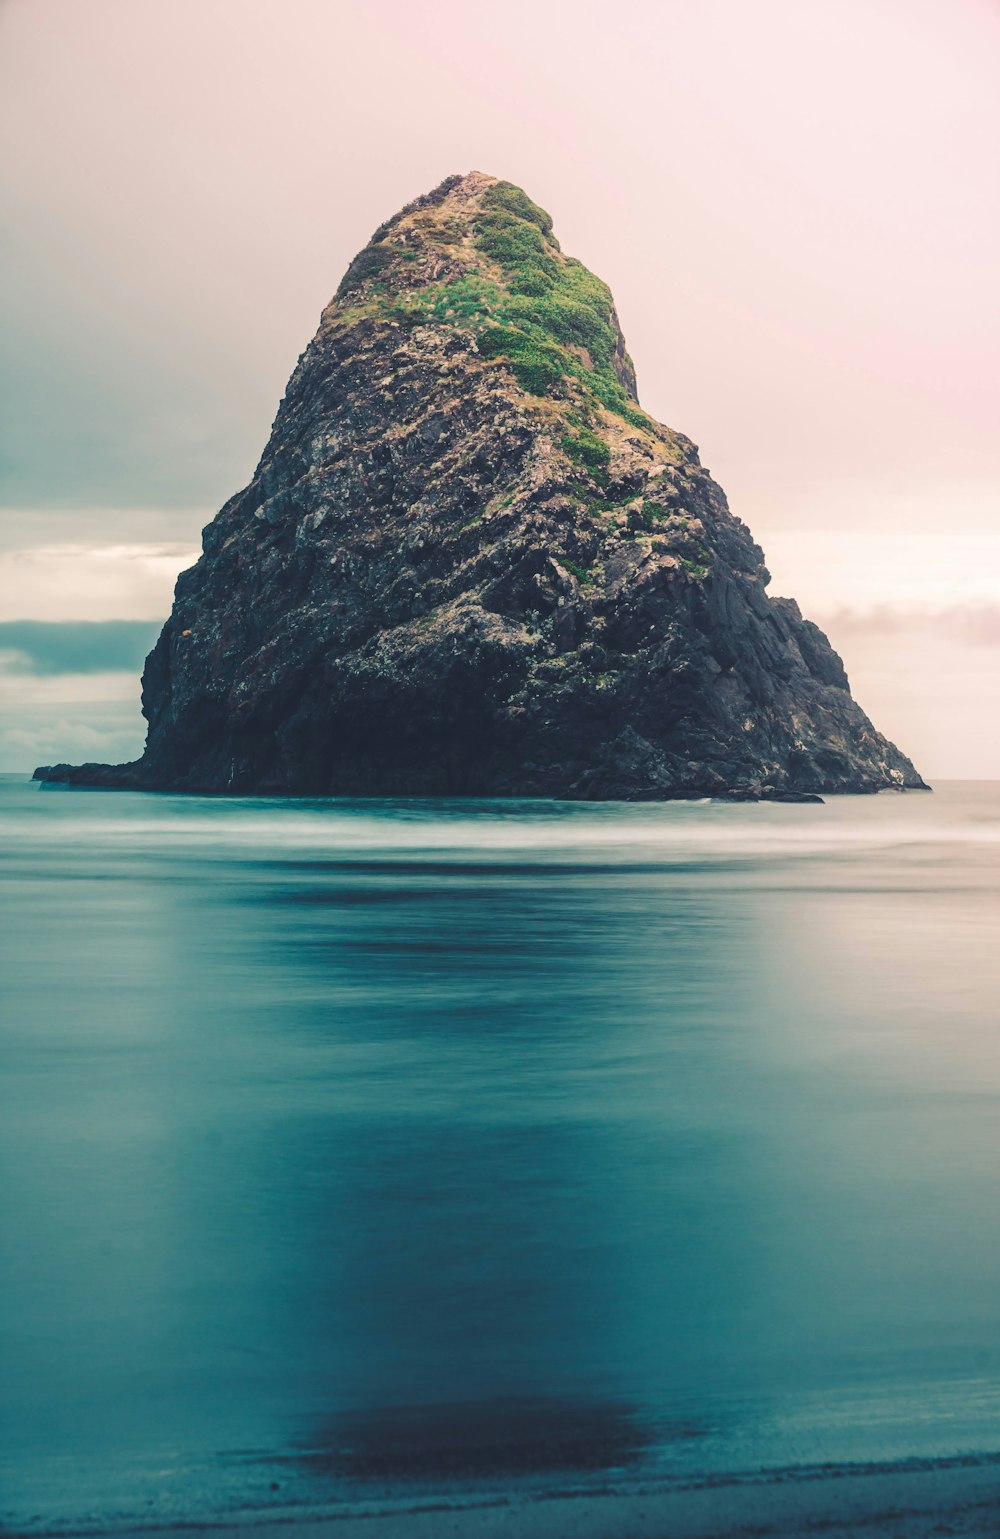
468	563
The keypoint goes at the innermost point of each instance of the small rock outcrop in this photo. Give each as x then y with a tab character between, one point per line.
469	563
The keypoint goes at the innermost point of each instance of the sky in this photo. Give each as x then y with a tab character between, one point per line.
795	202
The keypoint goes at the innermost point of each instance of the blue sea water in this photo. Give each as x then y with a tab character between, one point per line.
353	1148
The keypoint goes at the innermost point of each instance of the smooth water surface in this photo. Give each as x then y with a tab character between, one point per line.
354	1148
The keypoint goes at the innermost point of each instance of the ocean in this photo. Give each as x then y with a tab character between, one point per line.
358	1151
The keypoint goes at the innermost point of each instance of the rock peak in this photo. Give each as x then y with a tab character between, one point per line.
475	182
480	255
469	562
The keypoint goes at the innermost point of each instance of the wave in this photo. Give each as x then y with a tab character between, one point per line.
503	832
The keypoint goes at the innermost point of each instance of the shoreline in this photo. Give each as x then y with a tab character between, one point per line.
915	1499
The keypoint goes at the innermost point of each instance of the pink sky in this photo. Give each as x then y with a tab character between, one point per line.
796	203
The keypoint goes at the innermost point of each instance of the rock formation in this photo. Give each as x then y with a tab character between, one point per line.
469	563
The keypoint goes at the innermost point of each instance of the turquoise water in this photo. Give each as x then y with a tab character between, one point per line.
356	1149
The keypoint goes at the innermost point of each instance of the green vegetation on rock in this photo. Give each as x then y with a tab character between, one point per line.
587	449
545	314
551	301
514	200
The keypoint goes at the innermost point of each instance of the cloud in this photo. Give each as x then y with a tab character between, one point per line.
45	647
907	570
70	735
974	624
91	582
97	525
48	716
926	675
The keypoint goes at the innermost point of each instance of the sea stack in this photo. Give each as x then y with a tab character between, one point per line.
469	563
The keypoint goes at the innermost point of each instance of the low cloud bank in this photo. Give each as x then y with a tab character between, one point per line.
974	624
49	647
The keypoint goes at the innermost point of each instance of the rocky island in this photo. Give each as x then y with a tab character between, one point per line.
469	563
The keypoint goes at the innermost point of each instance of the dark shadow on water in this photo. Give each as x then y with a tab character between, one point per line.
501	1437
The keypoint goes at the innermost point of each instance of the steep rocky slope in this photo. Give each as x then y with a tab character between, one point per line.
468	562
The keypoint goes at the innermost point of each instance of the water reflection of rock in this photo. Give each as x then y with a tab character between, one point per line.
501	1238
